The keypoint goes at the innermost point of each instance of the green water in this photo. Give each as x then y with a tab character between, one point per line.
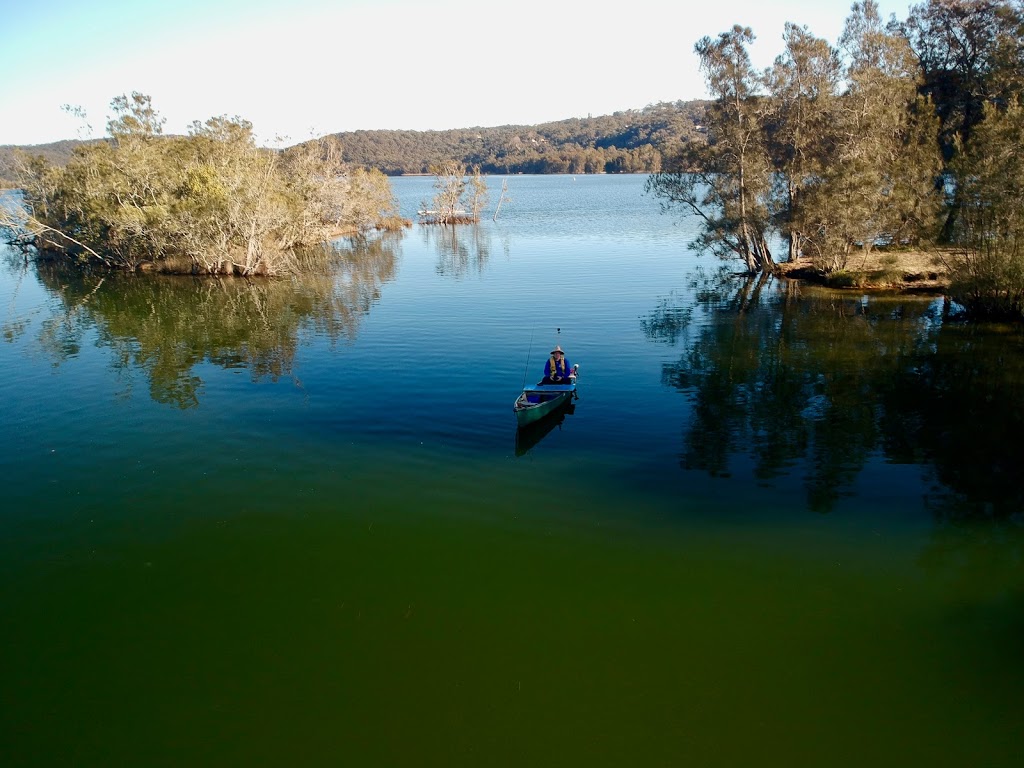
293	524
510	637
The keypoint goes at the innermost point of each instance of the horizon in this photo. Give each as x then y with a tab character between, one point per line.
287	74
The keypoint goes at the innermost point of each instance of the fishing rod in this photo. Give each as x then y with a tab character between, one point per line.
528	352
558	334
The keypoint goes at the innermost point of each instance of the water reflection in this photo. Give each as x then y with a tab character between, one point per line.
167	326
14	324
461	250
529	436
801	380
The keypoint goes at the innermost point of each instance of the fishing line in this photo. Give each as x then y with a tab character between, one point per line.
528	352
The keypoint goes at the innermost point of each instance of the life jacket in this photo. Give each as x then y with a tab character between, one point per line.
557	367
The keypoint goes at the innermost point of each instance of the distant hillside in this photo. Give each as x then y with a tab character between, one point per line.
57	153
634	141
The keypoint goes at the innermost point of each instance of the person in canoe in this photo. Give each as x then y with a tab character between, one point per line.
557	369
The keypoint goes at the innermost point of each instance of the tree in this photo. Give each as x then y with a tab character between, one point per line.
788	152
450	183
987	265
878	184
727	181
477	194
455	194
256	214
802	87
113	198
858	167
368	203
134	118
970	53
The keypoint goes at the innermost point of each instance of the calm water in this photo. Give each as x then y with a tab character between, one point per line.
292	523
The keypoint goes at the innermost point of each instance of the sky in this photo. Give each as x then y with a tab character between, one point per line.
312	67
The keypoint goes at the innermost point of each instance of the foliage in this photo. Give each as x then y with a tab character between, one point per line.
727	181
211	202
831	154
57	153
833	150
987	265
970	54
803	83
631	141
878	185
459	198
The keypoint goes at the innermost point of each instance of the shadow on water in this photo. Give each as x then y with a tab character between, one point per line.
167	327
816	384
529	436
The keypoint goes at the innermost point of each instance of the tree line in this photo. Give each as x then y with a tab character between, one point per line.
905	133
631	141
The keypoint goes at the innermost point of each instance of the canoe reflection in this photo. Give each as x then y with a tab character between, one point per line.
531	434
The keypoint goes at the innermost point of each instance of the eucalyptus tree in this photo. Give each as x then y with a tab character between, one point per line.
457	190
987	264
450	183
478	195
803	91
237	211
727	181
970	53
134	118
142	178
113	198
879	182
368	202
38	217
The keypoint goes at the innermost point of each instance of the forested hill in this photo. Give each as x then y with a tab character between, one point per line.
57	153
633	141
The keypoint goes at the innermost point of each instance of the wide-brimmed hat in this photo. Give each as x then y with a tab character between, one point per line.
557	349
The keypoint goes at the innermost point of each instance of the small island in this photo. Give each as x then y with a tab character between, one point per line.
210	203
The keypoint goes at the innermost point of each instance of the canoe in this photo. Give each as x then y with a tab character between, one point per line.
539	400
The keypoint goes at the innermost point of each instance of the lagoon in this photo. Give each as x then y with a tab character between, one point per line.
292	522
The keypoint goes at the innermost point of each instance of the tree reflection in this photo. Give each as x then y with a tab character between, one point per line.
796	379
461	250
958	408
167	327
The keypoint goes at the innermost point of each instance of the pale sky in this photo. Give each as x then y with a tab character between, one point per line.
311	67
